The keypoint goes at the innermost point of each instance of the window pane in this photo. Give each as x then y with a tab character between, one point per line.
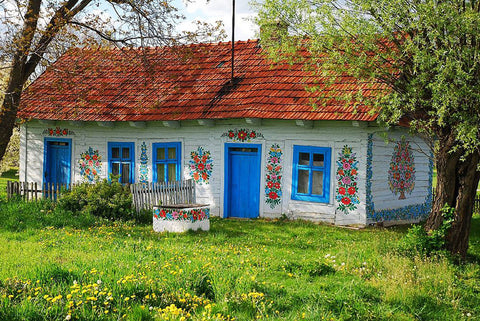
302	186
160	153
317	183
160	172
318	160
172	153
115	168
172	172
116	152
126	153
125	173
304	159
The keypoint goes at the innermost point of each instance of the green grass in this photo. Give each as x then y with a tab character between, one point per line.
10	175
56	265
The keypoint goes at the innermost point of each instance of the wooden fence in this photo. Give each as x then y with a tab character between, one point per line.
476	202
34	191
147	195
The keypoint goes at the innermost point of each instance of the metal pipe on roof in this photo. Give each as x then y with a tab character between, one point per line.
233	37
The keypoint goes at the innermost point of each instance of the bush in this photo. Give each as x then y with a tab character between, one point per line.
418	241
110	200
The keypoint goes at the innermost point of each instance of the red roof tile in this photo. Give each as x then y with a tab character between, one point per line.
192	82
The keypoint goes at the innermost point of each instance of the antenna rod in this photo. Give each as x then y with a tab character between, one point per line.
233	35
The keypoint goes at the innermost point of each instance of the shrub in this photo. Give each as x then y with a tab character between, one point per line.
418	241
110	200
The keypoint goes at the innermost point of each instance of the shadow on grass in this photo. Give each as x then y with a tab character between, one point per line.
474	244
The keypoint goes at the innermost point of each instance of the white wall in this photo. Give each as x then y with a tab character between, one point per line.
333	134
386	205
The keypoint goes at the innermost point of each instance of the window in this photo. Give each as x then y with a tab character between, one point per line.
166	162
121	161
311	173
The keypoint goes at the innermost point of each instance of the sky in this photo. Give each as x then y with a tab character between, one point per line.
215	10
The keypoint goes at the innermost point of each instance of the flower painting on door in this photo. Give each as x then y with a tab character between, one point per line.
201	165
273	181
90	165
401	173
347	172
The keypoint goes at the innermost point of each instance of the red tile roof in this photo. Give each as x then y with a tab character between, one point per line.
192	82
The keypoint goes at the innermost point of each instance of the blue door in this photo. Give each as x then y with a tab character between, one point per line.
57	161
242	185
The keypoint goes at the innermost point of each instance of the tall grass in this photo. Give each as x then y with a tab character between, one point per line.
57	266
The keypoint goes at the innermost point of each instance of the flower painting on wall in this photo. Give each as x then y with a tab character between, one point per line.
58	132
90	165
347	188
143	164
201	165
401	173
242	135
273	181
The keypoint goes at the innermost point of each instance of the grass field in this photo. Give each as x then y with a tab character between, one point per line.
59	266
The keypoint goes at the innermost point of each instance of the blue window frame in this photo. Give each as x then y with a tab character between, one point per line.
121	161
311	173
166	161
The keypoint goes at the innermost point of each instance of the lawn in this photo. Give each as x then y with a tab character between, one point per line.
59	266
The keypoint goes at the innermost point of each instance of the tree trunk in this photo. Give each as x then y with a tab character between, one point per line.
8	111
457	182
468	177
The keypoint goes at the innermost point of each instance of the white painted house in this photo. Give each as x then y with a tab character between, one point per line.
254	144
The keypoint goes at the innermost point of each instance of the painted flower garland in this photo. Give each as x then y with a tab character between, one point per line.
201	165
273	188
90	165
347	172
242	135
58	132
401	174
143	164
191	215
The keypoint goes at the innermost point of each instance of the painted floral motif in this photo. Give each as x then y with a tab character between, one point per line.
201	165
347	172
58	132
411	212
90	165
191	215
143	164
401	174
242	135
273	187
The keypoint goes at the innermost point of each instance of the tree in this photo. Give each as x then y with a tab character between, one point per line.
424	56
34	32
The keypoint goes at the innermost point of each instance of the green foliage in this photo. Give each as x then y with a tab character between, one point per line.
418	241
110	200
12	154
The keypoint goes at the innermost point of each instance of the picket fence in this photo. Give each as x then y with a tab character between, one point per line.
147	195
144	195
34	191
